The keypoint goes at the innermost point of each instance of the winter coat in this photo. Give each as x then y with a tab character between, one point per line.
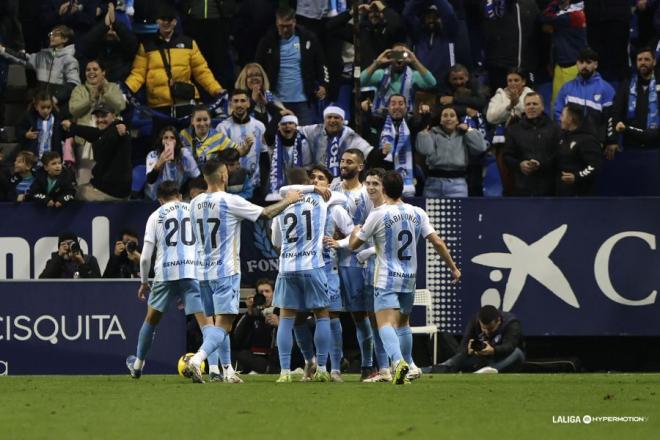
31	120
580	154
569	34
81	102
63	191
449	152
58	267
498	108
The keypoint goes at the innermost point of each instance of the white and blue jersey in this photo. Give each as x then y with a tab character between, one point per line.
169	229
337	220
238	132
217	219
177	172
396	230
358	206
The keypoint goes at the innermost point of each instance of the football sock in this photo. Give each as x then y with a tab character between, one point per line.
138	364
365	341
322	340
213	337
391	343
304	340
336	350
145	338
212	361
224	352
285	341
381	354
406	342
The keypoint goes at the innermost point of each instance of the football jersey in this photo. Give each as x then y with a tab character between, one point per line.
396	230
170	230
358	206
217	219
237	133
299	231
337	220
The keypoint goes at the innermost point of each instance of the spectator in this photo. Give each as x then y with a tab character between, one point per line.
636	101
239	182
78	15
239	127
111	145
169	161
508	104
125	259
40	131
380	28
263	104
608	32
254	334
53	185
69	261
23	177
206	142
510	36
568	25
591	92
492	343
396	71
579	158
293	56
447	149
56	67
463	92
531	150
196	186
290	150
112	44
166	63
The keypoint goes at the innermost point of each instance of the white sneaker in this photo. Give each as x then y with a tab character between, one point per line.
414	373
233	378
335	376
383	375
309	371
486	370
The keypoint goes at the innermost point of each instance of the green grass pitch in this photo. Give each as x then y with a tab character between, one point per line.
435	407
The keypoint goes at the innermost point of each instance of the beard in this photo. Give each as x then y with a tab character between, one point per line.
348	174
586	74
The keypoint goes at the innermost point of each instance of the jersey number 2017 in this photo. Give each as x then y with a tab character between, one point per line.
292	226
172	226
406	238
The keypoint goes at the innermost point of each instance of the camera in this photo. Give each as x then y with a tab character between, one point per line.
74	248
477	345
259	301
131	246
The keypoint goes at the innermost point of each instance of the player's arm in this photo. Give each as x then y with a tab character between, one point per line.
441	248
276	234
145	267
271	211
306	189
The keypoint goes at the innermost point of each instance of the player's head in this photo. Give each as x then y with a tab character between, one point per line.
489	319
393	185
196	186
231	157
167	191
240	102
297	176
352	163
374	183
320	175
215	173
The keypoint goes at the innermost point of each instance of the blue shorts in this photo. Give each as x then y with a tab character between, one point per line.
221	296
369	297
334	295
302	290
164	293
352	288
387	299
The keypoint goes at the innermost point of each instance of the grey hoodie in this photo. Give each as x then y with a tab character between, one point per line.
449	151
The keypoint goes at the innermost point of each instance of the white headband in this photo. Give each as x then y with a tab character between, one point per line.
289	118
333	110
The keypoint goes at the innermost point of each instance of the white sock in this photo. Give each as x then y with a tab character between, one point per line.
138	364
214	369
198	358
335	371
321	369
228	370
413	366
285	372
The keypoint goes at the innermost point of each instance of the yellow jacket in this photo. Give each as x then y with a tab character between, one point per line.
186	61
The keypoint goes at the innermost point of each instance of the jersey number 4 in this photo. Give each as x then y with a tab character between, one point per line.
294	222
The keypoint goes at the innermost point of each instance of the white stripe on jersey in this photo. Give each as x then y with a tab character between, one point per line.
217	219
299	231
237	133
170	230
358	206
396	230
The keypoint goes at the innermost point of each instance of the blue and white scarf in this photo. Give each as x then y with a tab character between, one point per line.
383	93
495	8
45	135
336	7
478	123
400	153
652	115
280	162
332	153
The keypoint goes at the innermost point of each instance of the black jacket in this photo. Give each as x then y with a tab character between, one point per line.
116	56
619	112
121	267
113	172
313	69
58	267
30	121
506	338
63	191
533	139
580	154
254	334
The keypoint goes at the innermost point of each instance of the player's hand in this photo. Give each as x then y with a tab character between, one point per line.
330	242
611	150
32	134
456	275
487	351
293	196
119	248
567	177
323	192
143	291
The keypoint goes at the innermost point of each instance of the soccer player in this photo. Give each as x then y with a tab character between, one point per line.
396	227
350	269
169	232
217	218
302	283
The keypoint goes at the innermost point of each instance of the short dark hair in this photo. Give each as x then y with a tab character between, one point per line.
534	94
261	281
48	156
323	169
587	54
167	189
576	112
517	71
458	68
211	166
488	314
355	152
128	231
645	49
297	176
197	182
229	155
397	94
393	184
239	92
200	108
378	172
285	13
97	61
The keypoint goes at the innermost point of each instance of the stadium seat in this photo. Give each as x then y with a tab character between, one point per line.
423	298
139	178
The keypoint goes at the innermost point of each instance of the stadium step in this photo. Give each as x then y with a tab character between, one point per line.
8	135
14	113
9	151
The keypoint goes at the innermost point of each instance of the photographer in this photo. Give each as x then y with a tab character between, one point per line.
69	261
254	334
492	343
125	260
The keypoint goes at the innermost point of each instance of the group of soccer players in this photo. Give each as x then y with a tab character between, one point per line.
352	248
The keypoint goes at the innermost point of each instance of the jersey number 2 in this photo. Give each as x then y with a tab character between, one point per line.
406	238
294	221
184	229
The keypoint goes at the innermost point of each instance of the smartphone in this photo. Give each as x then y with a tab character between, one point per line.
396	55
169	149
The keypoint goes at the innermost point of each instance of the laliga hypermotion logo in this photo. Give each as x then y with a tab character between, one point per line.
527	260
